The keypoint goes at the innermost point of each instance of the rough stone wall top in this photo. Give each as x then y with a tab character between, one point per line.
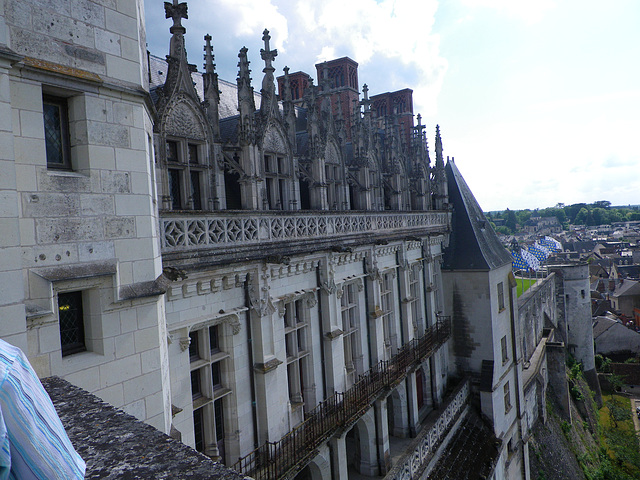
473	243
116	445
103	37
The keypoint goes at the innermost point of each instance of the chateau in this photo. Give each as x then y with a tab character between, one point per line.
283	279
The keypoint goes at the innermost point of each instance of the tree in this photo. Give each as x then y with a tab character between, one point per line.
510	220
602	204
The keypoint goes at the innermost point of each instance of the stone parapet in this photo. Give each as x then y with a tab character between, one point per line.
220	233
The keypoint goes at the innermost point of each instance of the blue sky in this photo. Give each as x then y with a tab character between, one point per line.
539	102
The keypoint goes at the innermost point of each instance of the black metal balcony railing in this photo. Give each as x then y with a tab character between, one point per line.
276	460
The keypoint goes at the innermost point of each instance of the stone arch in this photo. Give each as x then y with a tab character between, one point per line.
182	118
397	412
275	162
275	139
361	445
318	469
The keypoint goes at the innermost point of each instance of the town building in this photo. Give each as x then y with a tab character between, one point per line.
282	279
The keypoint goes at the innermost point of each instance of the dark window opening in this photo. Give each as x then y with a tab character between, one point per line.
71	323
196	385
193	153
218	410
195	190
174	189
198	429
305	195
194	348
216	376
172	151
56	132
232	191
214	341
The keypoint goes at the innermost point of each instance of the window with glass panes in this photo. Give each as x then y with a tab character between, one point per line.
386	300
507	398
186	170
56	132
71	318
296	332
350	325
333	180
416	298
208	389
275	176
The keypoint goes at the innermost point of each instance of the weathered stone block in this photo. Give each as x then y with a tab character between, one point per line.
58	230
121	24
52	181
29	150
107	134
108	42
119	370
120	227
93	251
88	12
122	114
118	67
115	182
142	386
94	204
50	205
63	28
8	204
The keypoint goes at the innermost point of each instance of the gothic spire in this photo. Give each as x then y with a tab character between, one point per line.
269	103
439	159
287	106
178	69
211	92
246	103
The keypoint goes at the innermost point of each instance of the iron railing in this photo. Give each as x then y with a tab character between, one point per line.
278	460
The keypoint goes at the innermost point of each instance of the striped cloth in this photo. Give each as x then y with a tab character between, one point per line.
34	442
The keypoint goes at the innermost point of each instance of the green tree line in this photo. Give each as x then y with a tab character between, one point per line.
592	214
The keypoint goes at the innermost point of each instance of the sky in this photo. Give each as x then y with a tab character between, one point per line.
539	102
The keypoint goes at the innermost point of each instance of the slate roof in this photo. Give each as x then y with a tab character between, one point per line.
115	445
473	244
228	106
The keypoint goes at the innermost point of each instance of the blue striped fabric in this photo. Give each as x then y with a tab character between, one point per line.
35	444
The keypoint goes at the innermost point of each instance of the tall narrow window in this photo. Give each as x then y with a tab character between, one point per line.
503	346
500	296
71	320
507	398
386	300
175	189
416	299
56	132
350	326
276	174
296	331
208	389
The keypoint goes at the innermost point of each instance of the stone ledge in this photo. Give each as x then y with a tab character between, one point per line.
116	445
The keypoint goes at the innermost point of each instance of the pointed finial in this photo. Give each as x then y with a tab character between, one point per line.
419	118
439	160
266	53
176	11
209	66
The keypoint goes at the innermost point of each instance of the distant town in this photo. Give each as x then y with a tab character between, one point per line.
607	238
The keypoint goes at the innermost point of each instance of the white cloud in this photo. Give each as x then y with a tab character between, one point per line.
529	12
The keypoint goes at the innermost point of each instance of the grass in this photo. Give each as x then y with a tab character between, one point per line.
524	284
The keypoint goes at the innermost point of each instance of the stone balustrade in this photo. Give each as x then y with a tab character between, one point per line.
412	464
182	231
